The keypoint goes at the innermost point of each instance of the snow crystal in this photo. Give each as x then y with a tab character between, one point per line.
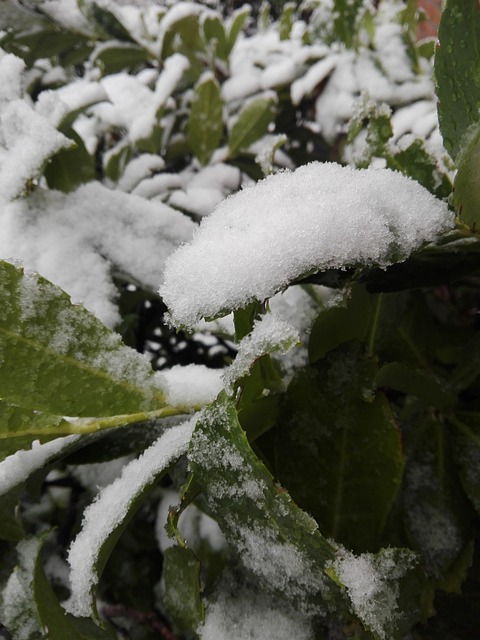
241	612
269	334
19	466
192	385
73	240
318	217
372	585
111	507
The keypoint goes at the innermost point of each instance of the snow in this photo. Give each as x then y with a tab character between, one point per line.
16	468
111	507
27	140
196	527
242	612
17	607
192	385
74	240
269	334
372	585
318	217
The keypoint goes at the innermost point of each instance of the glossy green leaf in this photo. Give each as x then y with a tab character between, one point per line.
421	384
437	514
70	168
205	122
338	448
466	196
286	20
182	35
117	159
57	623
274	539
181	574
457	73
58	358
251	123
339	324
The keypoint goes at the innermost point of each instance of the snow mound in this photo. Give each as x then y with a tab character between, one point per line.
318	217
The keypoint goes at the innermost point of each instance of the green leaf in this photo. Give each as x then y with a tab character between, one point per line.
252	122
336	325
421	384
183	35
346	13
113	57
236	24
107	23
415	162
466	195
286	20
71	167
10	525
57	623
214	30
205	122
437	514
181	573
58	358
457	73
338	448
116	160
466	441
274	539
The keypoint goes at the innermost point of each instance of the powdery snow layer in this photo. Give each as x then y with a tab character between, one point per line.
193	385
20	465
318	217
75	239
239	612
111	507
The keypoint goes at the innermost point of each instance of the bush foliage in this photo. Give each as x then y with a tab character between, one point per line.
301	466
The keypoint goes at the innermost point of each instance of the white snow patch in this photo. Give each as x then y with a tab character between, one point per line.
192	385
111	507
318	217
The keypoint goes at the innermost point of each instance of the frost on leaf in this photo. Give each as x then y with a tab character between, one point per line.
318	217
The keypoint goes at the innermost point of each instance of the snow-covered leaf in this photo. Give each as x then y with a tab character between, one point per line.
290	224
105	519
181	573
274	539
205	122
58	358
466	195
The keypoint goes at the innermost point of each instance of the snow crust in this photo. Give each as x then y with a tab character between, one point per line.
111	507
320	216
